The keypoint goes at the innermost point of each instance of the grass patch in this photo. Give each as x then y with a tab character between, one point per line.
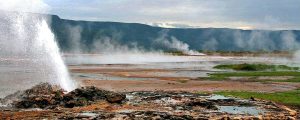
254	75
288	98
257	74
255	67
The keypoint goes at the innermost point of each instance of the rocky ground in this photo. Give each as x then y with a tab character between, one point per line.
45	101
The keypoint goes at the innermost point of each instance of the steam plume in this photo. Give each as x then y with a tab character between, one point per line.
27	44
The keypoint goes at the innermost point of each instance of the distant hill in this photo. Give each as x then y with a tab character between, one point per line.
86	36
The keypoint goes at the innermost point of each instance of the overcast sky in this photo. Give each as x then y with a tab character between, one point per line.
245	14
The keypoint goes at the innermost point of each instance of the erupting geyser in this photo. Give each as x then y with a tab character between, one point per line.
26	41
46	40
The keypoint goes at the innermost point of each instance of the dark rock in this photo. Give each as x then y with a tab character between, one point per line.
40	96
105	116
87	95
202	103
252	98
76	102
24	104
115	97
33	102
154	115
156	97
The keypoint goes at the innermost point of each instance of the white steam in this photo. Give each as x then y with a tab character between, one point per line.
28	45
174	44
289	42
104	44
107	45
74	35
211	45
111	45
262	40
109	49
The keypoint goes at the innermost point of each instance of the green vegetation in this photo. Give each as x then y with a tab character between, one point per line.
258	72
253	75
255	67
288	98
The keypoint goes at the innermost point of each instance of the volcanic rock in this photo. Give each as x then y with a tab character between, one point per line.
115	97
140	105
87	95
40	96
202	103
45	95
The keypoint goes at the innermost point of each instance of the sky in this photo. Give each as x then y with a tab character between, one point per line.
241	14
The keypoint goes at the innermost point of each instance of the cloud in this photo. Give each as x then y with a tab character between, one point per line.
24	5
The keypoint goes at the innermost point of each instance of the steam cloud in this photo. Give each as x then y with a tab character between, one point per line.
74	34
173	43
114	52
111	44
260	40
210	45
28	45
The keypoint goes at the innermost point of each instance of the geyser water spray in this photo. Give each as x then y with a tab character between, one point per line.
27	42
46	41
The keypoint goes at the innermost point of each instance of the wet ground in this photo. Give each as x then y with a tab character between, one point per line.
171	73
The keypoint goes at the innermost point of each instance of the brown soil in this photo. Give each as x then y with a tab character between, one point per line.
170	83
191	85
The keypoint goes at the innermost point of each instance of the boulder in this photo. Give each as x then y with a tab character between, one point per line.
42	95
115	97
87	95
202	103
